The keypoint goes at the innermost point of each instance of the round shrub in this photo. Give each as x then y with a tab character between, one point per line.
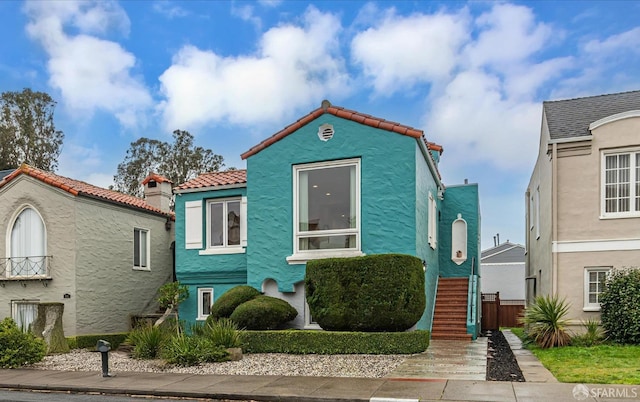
263	312
223	307
620	306
18	348
383	292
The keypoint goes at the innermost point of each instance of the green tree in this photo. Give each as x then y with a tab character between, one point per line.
178	162
27	132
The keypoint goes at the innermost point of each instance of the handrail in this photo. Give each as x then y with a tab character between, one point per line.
32	267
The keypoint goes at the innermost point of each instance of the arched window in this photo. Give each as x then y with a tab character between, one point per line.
28	245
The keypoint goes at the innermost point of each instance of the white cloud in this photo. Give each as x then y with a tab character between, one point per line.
91	73
476	122
246	13
509	34
81	163
628	41
295	66
402	51
169	10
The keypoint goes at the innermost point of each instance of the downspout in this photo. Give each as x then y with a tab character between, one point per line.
554	214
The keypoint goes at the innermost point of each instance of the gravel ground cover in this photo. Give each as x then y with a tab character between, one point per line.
366	366
501	363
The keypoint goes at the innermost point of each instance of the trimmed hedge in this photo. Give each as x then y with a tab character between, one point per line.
263	312
620	306
384	292
224	306
326	342
18	348
90	341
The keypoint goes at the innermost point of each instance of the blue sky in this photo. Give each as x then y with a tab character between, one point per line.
472	75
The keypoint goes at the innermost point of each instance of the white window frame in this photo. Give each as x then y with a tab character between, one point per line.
587	305
302	256
433	222
147	255
225	248
633	178
9	246
14	312
202	315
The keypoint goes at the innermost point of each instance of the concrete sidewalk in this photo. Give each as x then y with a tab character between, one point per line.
312	389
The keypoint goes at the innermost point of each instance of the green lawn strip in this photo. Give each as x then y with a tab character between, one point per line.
602	364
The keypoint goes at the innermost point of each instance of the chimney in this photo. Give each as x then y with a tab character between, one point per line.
157	191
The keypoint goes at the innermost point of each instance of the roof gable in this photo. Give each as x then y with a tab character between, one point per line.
342	113
503	254
80	188
571	117
215	179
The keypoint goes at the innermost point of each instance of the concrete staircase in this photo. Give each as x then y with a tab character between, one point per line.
450	315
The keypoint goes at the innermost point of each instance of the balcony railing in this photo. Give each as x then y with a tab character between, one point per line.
25	268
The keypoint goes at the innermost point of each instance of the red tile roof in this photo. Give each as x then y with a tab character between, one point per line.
339	112
80	188
213	179
157	178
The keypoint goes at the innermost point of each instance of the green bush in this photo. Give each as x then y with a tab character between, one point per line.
90	341
224	306
544	322
18	348
620	306
327	342
383	292
183	350
263	312
148	341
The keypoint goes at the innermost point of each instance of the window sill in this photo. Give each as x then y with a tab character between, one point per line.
302	258
591	308
25	278
223	250
621	216
147	269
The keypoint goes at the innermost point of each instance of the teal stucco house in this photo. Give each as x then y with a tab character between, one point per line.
336	183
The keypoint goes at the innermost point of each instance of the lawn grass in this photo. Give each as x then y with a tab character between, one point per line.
601	364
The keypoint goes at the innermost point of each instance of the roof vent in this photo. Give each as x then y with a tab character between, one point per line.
325	105
325	132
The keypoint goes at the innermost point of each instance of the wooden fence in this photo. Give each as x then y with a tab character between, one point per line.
498	312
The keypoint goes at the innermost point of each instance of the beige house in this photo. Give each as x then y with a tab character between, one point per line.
101	253
583	199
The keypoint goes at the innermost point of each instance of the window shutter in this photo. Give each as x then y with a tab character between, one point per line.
243	222
193	224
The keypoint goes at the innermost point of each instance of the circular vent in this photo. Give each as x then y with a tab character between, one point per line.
325	132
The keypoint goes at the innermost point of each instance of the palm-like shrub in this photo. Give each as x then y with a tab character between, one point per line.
183	350
223	332
545	323
592	336
148	341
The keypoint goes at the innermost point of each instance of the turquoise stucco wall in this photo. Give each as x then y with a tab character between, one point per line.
220	272
388	194
462	199
425	184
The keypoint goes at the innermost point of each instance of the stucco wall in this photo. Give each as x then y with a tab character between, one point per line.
109	290
571	273
220	272
464	200
387	194
426	184
538	260
58	213
579	181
